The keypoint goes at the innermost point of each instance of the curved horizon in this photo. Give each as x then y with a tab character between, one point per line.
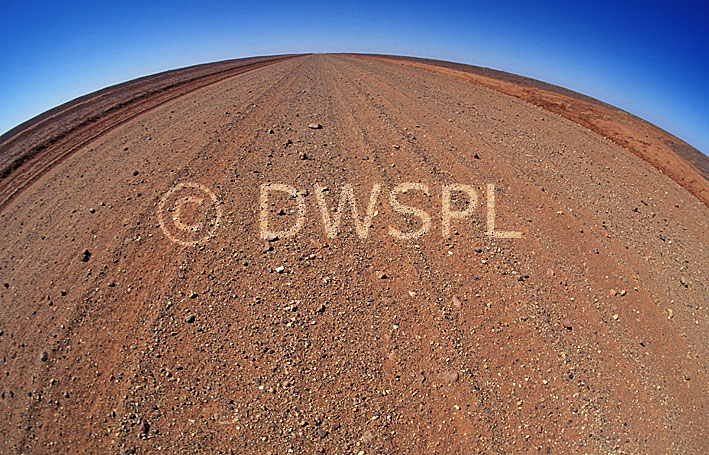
649	61
167	70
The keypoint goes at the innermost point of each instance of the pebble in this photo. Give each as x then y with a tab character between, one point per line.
368	437
85	256
144	427
456	302
449	377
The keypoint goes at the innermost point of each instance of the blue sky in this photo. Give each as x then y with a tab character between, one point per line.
649	58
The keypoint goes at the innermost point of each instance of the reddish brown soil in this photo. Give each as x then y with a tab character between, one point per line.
29	149
681	162
586	335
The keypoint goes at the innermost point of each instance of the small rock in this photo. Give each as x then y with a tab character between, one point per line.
193	295
449	377
85	256
135	173
614	292
270	131
270	237
456	302
615	317
623	292
368	437
320	308
476	156
382	275
190	318
566	323
280	269
322	433
314	126
43	356
144	427
92	210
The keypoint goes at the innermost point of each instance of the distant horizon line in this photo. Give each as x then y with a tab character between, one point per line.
9	133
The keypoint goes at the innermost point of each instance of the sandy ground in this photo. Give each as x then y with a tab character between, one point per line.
586	335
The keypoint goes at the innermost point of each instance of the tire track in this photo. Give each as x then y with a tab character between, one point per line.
28	167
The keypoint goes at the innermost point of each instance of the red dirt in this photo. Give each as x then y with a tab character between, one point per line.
681	162
586	335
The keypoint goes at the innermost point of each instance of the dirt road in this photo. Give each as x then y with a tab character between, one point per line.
147	309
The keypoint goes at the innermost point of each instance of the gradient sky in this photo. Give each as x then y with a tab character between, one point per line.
649	58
